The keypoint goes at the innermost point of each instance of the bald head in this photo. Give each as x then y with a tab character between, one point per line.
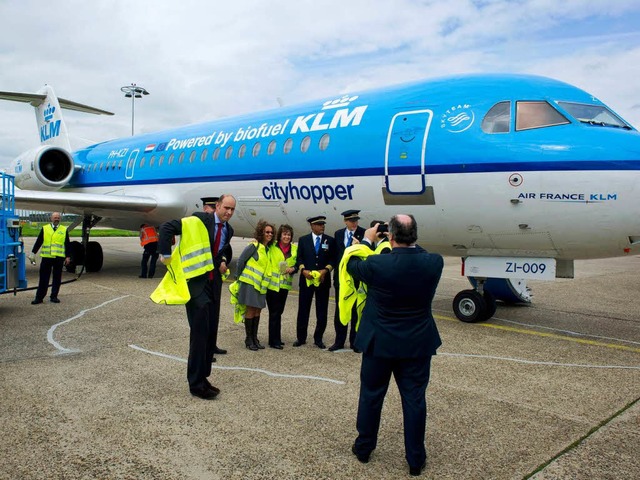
55	218
403	229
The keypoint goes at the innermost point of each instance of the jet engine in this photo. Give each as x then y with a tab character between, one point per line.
43	168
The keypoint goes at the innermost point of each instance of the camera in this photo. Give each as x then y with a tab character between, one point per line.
382	228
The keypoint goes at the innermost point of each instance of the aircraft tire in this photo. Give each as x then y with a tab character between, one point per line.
95	257
469	306
491	306
76	255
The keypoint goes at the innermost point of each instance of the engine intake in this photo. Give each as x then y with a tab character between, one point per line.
43	168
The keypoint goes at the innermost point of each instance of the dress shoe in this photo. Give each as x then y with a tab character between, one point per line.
35	302
298	343
416	471
213	360
277	346
219	351
54	300
320	345
141	276
211	387
355	349
335	347
361	458
282	344
205	393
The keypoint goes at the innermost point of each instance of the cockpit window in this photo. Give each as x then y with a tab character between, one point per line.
594	114
537	114
498	118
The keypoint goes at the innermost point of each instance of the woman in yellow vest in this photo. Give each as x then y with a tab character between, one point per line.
282	258
253	277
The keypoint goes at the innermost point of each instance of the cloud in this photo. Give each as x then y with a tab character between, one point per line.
216	59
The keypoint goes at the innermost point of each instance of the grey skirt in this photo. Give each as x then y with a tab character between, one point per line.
249	296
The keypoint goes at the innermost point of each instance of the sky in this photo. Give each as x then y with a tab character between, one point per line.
202	60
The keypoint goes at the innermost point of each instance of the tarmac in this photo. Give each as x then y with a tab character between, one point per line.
95	387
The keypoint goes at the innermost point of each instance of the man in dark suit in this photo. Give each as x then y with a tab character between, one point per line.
316	259
203	308
397	335
344	238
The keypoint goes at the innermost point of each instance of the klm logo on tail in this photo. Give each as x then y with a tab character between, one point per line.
50	129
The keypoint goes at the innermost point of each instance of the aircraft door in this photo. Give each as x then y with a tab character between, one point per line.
405	153
131	164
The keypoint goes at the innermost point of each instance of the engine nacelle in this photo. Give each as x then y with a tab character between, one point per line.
43	168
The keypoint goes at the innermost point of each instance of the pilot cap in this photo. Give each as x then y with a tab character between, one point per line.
351	214
319	220
209	201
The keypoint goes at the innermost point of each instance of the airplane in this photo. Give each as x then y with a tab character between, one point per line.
518	175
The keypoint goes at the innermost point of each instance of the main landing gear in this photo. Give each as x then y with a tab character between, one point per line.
87	254
476	305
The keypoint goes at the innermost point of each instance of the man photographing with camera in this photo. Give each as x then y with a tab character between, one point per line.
397	335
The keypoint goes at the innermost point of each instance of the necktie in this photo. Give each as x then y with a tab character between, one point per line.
349	238
216	243
317	245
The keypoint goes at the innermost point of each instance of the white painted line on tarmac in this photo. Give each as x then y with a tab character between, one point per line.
62	349
535	362
259	370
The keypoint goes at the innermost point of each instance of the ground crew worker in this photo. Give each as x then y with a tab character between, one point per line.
54	240
148	241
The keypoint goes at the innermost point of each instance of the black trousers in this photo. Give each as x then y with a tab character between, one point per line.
304	309
150	252
341	330
203	314
276	302
47	267
411	376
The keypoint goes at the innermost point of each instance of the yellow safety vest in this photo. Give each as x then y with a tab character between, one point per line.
383	247
256	272
349	293
53	241
194	248
278	280
192	257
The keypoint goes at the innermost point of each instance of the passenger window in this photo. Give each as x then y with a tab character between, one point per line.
288	145
242	150
152	161
497	119
181	158
192	157
304	146
256	149
216	154
536	115
141	162
272	147
171	157
324	142
228	152
160	160
120	165
203	155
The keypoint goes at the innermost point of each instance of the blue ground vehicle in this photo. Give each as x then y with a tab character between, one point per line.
12	257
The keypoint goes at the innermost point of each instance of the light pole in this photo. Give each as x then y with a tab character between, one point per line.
133	91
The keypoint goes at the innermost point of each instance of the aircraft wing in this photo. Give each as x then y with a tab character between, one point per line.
108	205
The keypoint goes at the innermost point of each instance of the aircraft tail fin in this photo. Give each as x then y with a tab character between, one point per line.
51	126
